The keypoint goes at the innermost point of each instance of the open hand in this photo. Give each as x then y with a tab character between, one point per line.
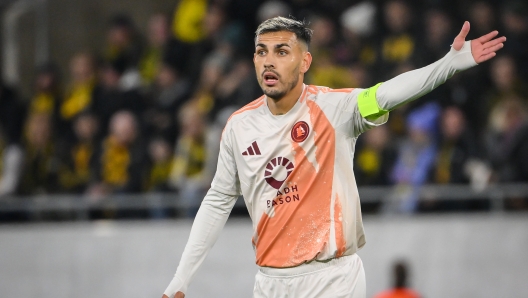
482	48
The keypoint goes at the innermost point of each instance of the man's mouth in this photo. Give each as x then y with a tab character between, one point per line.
270	78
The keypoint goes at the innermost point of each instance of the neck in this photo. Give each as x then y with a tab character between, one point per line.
283	105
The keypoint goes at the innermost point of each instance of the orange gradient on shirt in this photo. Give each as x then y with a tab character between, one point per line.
339	234
297	233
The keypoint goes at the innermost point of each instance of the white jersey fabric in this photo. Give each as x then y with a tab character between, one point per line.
295	172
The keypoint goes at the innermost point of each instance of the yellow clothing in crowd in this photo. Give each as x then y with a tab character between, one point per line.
42	103
79	99
79	175
190	158
115	163
150	64
188	19
398	48
159	174
369	161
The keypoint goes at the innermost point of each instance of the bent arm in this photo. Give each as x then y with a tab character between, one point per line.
208	224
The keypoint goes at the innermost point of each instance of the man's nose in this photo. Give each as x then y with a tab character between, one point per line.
269	62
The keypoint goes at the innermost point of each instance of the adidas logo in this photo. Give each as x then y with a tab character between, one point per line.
252	150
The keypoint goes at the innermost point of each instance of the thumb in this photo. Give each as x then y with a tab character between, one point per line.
461	37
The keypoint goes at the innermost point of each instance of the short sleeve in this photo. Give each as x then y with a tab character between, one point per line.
226	177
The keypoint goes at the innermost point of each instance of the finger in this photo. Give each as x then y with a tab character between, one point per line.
165	296
487	37
464	31
494	42
493	48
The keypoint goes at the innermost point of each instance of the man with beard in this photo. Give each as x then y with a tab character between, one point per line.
290	154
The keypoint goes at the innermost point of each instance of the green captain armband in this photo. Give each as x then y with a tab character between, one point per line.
368	105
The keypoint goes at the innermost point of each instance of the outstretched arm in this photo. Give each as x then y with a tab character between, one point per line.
382	98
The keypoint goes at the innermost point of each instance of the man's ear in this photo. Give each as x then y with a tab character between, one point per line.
307	61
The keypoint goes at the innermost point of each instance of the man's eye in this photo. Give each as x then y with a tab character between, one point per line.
261	53
282	52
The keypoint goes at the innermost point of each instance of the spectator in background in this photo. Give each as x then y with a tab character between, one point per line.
514	17
437	37
123	42
505	85
77	158
507	140
109	96
213	68
374	158
456	147
482	17
80	95
324	70
416	156
358	27
115	94
39	173
158	170
188	29
158	37
224	80
162	46
456	162
224	41
189	173
161	163
233	87
47	95
398	44
400	287
172	89
222	33
124	46
120	160
506	82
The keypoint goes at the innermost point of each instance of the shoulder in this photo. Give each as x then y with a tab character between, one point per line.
344	99
324	89
245	111
322	92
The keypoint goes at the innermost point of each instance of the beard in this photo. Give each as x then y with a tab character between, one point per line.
278	93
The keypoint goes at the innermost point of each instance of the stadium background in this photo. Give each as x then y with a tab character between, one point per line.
110	116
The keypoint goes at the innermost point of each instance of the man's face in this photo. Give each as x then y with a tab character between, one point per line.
280	58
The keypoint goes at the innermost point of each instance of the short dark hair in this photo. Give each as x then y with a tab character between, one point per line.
299	28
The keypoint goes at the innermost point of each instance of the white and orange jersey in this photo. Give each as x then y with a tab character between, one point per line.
295	172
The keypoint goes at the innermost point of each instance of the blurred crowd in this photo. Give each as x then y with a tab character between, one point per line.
145	113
